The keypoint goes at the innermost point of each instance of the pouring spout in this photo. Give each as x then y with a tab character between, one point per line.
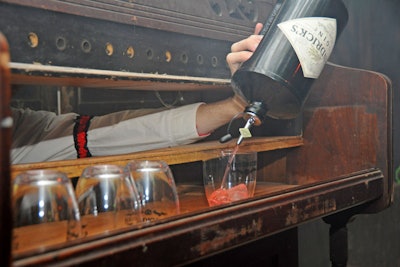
246	129
255	114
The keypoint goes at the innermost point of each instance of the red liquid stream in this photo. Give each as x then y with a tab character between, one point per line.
228	166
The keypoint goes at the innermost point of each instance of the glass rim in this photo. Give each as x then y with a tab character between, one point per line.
147	165
34	176
224	152
103	171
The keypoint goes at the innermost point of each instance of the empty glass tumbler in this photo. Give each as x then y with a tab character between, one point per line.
45	210
156	187
107	199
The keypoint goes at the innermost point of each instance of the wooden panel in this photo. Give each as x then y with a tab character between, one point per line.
347	126
5	144
378	50
217	19
186	38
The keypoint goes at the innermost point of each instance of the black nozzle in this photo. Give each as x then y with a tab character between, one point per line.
256	109
225	138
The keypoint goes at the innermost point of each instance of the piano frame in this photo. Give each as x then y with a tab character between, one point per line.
339	166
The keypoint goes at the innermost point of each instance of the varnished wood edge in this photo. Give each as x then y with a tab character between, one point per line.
24	73
172	155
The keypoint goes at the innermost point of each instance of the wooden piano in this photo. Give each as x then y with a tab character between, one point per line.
332	162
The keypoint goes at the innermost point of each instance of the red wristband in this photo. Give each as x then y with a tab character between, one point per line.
81	127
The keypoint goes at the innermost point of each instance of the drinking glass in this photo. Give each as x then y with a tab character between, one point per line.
156	187
45	210
107	199
231	177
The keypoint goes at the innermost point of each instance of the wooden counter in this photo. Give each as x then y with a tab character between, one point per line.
198	234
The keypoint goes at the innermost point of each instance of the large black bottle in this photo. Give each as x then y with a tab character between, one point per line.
299	36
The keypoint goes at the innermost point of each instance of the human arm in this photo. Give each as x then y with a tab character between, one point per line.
44	136
214	115
211	116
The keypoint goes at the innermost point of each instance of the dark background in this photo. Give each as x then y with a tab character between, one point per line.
371	41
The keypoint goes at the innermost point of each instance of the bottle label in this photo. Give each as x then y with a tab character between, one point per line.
313	40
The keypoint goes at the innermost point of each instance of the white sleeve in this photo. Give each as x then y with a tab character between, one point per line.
44	136
61	148
162	129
